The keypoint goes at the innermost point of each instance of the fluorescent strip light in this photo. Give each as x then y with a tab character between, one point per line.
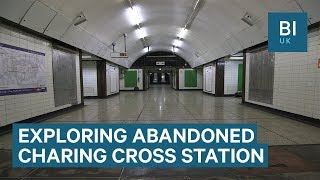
176	49
236	57
133	15
196	4
182	33
177	43
141	33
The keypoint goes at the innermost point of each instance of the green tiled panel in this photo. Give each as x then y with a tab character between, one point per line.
130	79
190	78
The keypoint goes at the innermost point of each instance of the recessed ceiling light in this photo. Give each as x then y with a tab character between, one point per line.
133	14
147	49
236	57
141	33
177	43
182	33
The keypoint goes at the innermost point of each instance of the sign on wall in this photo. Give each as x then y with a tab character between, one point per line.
118	55
160	63
22	71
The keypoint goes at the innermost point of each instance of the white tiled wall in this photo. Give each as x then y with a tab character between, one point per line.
296	80
15	108
90	87
174	80
207	79
78	80
109	76
199	79
231	77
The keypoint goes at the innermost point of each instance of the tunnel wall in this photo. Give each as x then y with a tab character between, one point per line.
146	80
112	76
231	77
14	108
174	79
209	78
90	86
90	79
296	80
183	78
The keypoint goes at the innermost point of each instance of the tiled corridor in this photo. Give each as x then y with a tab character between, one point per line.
161	104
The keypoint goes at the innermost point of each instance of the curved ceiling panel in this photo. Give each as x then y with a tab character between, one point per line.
215	31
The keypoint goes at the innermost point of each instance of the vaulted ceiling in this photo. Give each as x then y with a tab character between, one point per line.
216	30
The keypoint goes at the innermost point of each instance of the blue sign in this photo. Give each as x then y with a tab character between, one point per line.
287	32
137	145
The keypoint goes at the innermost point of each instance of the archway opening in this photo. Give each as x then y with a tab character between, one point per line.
160	66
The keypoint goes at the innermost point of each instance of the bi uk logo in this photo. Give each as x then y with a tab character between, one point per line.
288	32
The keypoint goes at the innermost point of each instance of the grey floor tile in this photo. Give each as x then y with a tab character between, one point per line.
268	137
296	131
161	104
6	141
307	152
234	121
176	173
6	170
77	172
167	121
73	178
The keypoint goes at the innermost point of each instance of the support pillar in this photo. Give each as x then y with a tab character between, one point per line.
101	79
220	78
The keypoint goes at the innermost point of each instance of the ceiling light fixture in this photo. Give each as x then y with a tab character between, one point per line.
236	57
182	33
80	19
133	15
86	57
141	33
248	19
177	43
147	49
196	5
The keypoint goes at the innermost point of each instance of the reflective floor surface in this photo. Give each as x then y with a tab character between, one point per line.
294	146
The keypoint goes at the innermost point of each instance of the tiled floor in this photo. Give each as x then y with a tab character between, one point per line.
161	104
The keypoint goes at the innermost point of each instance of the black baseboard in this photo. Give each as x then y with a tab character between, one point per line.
190	89
229	95
296	117
97	97
111	95
8	128
226	95
132	90
208	93
91	97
